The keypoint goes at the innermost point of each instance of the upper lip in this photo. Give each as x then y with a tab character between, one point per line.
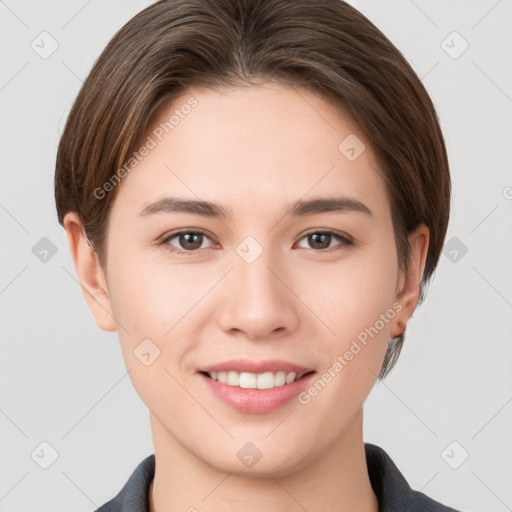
249	366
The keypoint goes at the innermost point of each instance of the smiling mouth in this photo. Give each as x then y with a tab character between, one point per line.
247	380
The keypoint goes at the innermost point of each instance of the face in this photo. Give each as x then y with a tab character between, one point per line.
273	280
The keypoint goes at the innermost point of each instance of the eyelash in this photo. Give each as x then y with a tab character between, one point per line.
344	240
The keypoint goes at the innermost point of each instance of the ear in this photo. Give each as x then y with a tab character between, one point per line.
408	286
90	274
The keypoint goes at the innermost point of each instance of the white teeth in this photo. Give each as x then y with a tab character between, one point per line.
280	379
290	377
248	380
267	380
233	379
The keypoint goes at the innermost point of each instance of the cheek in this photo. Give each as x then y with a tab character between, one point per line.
164	303
351	296
356	304
149	306
149	298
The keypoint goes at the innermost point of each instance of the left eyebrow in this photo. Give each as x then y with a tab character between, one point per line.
330	204
298	209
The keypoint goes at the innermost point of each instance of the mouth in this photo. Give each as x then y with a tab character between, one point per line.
256	387
248	380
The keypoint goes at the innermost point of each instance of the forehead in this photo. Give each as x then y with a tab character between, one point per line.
251	146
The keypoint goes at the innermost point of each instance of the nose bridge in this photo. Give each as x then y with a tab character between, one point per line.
258	301
258	280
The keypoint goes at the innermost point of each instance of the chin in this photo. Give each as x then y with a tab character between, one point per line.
249	461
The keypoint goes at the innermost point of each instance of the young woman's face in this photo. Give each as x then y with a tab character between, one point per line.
274	281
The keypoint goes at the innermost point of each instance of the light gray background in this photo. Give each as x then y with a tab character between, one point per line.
63	381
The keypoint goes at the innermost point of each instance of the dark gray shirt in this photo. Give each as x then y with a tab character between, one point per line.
389	485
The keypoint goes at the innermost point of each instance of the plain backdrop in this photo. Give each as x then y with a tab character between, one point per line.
444	414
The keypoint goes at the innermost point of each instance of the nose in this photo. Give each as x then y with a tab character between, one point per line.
258	302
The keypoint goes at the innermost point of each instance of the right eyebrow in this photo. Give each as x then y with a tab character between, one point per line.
176	205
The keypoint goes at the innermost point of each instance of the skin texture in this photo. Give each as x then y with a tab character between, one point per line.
255	150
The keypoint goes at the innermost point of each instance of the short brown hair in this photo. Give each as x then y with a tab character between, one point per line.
326	46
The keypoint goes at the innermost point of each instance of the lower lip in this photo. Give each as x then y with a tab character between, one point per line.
257	401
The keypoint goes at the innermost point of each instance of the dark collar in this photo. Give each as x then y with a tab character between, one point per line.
390	487
392	490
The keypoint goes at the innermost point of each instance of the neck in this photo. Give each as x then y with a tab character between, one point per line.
336	480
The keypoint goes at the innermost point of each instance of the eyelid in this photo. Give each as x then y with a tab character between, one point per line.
340	234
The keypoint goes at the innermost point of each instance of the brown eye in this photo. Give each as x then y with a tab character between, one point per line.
186	241
190	241
322	240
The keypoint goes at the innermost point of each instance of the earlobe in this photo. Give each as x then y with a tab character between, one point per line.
408	289
90	274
